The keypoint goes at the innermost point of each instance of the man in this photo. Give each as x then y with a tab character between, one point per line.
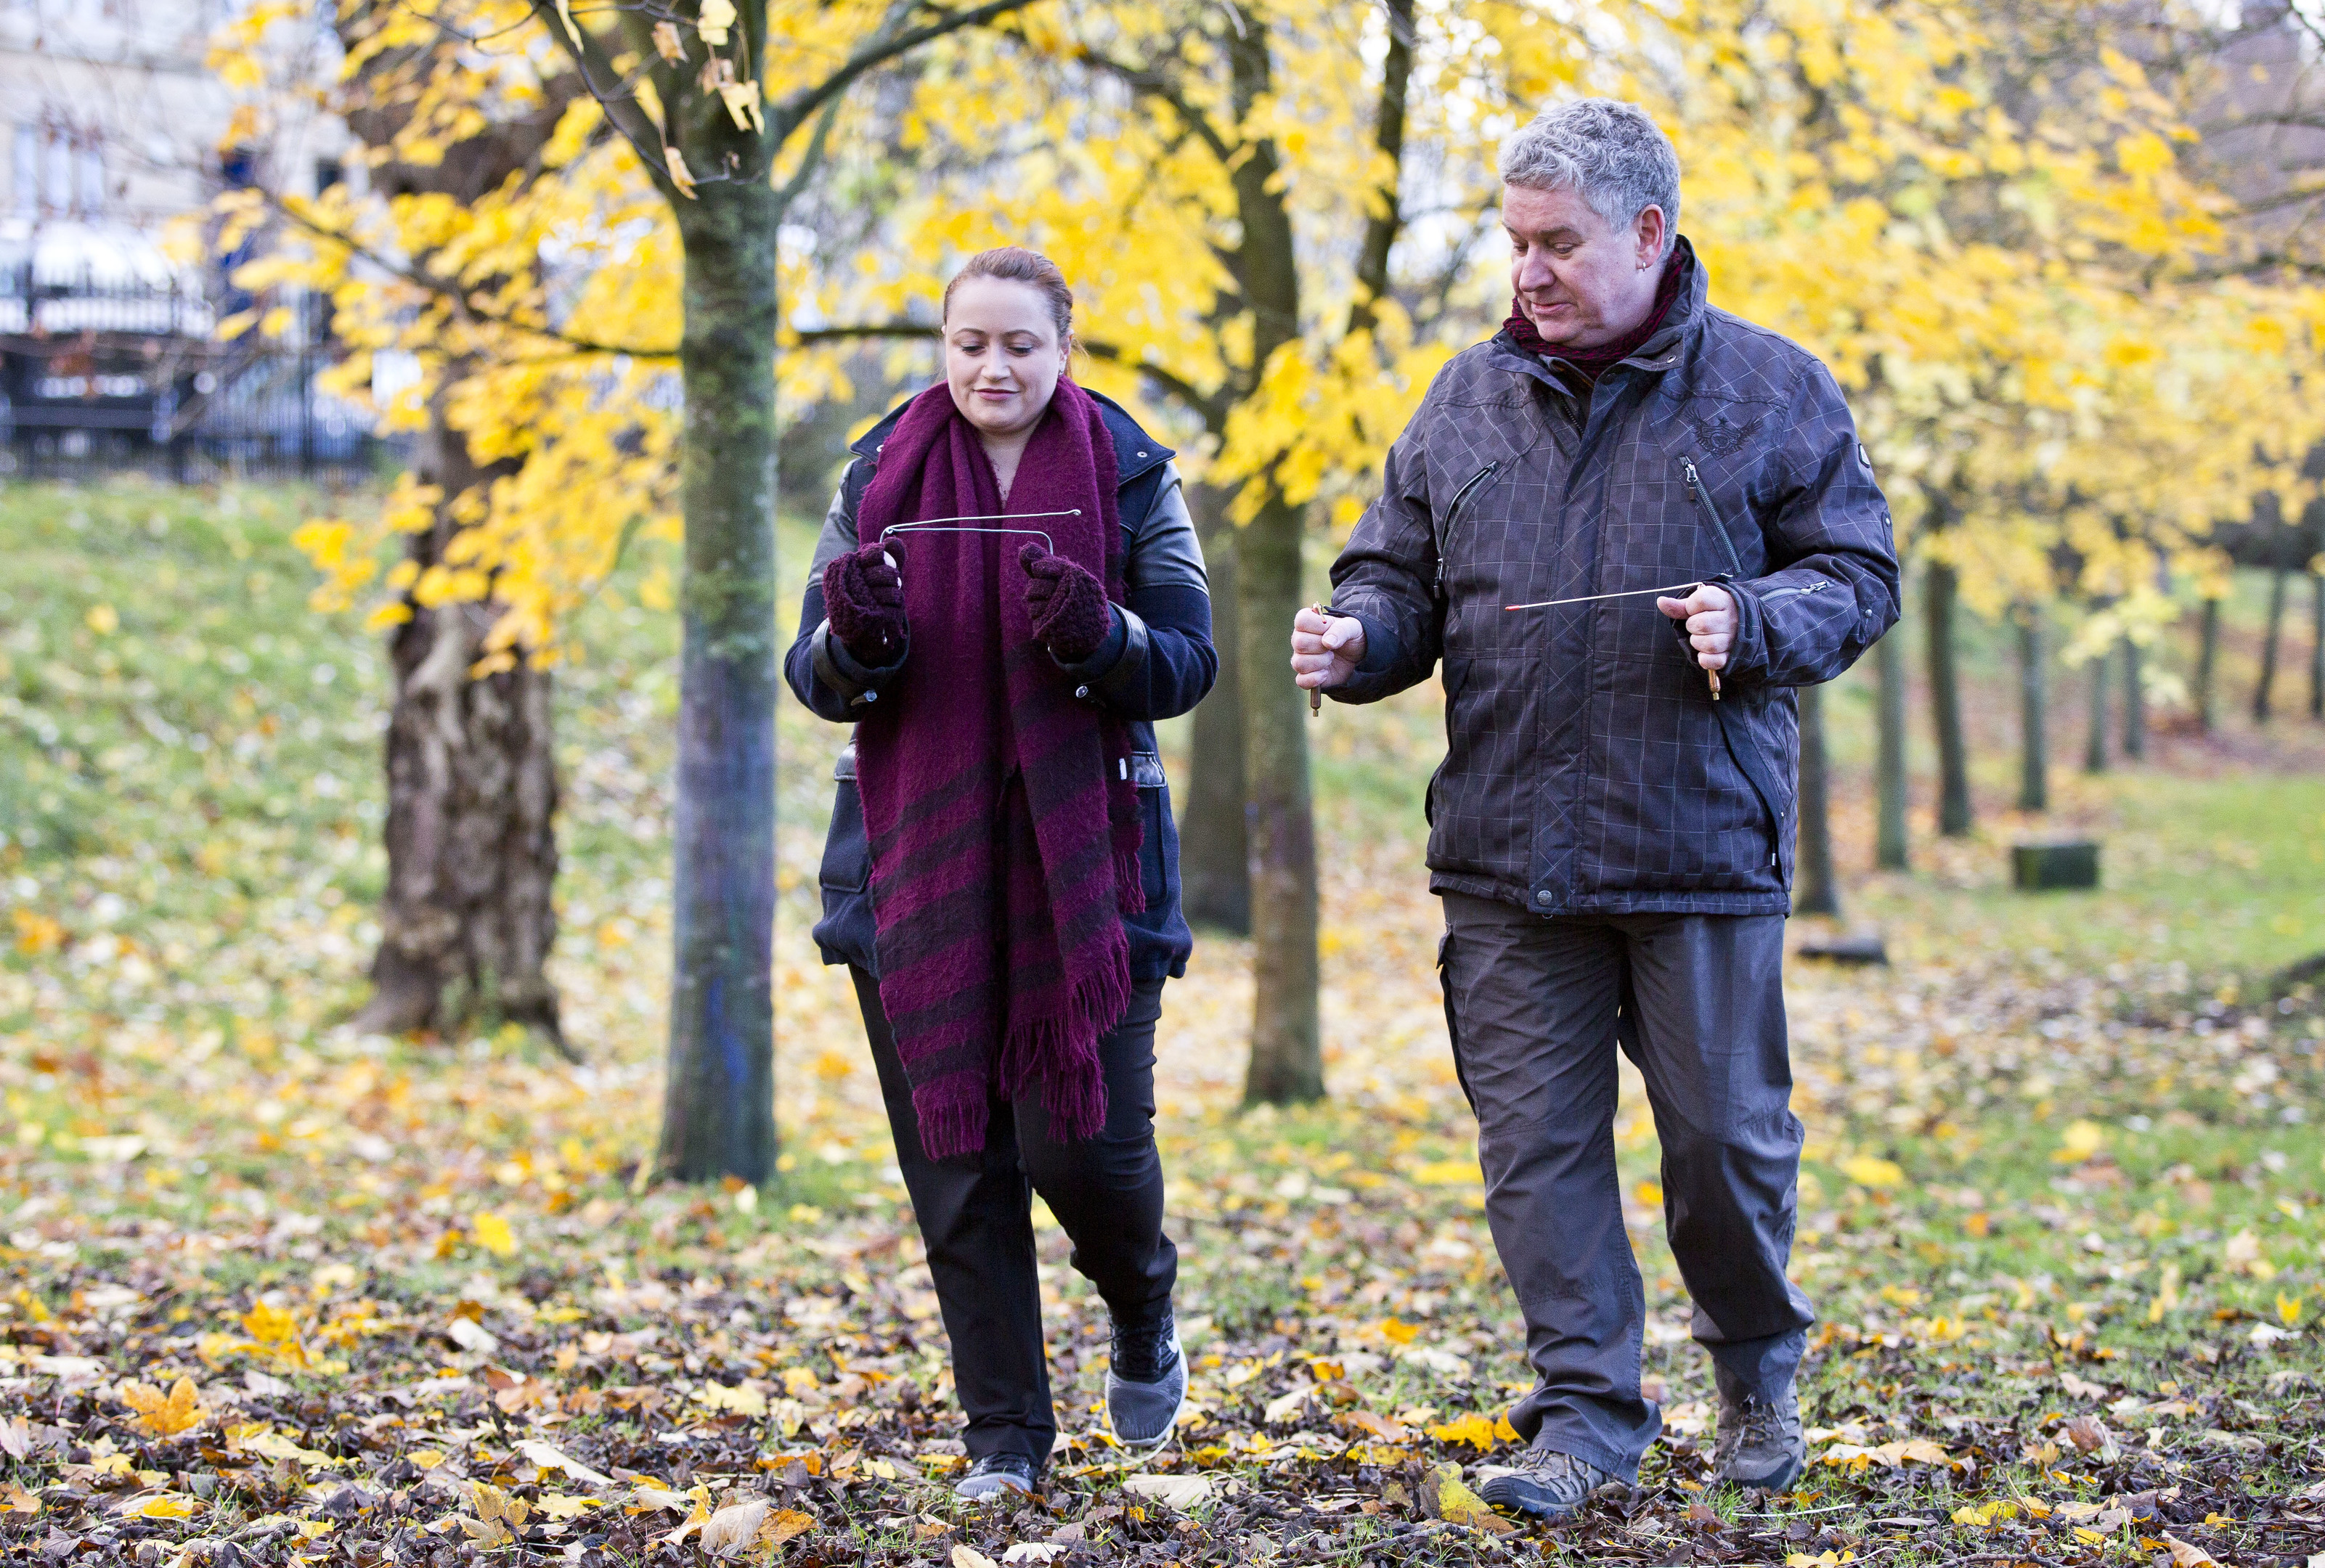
1612	827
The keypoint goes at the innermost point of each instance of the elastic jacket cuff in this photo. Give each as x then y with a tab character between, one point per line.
1119	662
858	684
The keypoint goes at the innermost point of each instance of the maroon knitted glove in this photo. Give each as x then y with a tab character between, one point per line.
864	596
1069	605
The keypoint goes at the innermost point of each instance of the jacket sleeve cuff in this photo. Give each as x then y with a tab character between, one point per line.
1382	647
1747	656
858	684
1118	658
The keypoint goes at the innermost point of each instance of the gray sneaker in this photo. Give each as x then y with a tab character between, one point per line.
1545	1483
1760	1443
1145	1383
994	1476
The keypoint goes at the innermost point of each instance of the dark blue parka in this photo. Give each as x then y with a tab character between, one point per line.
1156	663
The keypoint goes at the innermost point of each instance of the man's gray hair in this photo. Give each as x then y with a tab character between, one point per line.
1608	151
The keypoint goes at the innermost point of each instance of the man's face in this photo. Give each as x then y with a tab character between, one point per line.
1581	281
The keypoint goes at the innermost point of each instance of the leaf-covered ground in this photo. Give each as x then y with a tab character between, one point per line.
277	1293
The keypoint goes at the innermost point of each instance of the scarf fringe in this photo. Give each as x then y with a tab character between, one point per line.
952	1113
1129	884
1061	1050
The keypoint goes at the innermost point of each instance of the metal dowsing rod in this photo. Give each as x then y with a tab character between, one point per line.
940	525
1626	593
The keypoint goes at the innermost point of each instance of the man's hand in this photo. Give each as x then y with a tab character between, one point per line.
1709	613
1325	649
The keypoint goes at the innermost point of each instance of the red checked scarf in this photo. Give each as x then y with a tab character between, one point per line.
1003	824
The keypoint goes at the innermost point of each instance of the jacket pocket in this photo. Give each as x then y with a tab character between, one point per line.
1154	856
847	854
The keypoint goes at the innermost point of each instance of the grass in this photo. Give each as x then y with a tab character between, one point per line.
2061	1166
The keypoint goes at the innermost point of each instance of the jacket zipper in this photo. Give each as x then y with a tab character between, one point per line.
1819	587
1737	748
1453	515
1700	493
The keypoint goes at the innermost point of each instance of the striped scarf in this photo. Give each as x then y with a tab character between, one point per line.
1003	824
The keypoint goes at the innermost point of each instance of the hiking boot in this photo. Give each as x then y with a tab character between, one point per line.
996	1475
1760	1443
1545	1483
1147	1383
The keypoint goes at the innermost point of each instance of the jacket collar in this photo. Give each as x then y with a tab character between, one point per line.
1135	453
1657	354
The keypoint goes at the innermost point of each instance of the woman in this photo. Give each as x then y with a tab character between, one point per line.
1001	877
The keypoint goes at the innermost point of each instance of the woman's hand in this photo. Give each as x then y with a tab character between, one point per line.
864	596
1070	616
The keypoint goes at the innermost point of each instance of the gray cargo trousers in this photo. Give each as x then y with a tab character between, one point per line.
1537	1006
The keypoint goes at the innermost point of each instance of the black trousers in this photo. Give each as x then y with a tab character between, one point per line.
1538	1008
975	1215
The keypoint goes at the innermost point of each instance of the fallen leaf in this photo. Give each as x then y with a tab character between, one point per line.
964	1556
1179	1492
2081	1388
2184	1555
789	1522
1457	1505
163	1505
732	1528
550	1458
164	1415
1867	1171
492	1234
472	1335
1480	1432
1381	1426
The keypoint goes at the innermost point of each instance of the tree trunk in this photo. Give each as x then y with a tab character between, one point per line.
466	922
719	1105
2207	666
2034	718
1287	1061
2264	689
1819	893
2095	748
2317	645
1214	840
1945	703
2134	704
1286	1051
1889	853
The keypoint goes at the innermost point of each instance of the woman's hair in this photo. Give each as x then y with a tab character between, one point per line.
1017	264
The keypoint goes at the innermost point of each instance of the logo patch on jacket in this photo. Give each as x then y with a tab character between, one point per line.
1722	433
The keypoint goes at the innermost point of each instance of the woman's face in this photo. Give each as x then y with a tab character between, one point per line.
1001	354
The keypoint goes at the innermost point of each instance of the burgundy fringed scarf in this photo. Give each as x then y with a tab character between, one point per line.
1003	824
1590	364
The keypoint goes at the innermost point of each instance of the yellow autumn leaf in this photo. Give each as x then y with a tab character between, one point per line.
1867	1171
2082	1141
1457	1505
163	1506
742	1399
492	1234
164	1415
1480	1432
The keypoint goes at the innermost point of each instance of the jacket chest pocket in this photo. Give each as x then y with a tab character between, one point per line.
847	854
